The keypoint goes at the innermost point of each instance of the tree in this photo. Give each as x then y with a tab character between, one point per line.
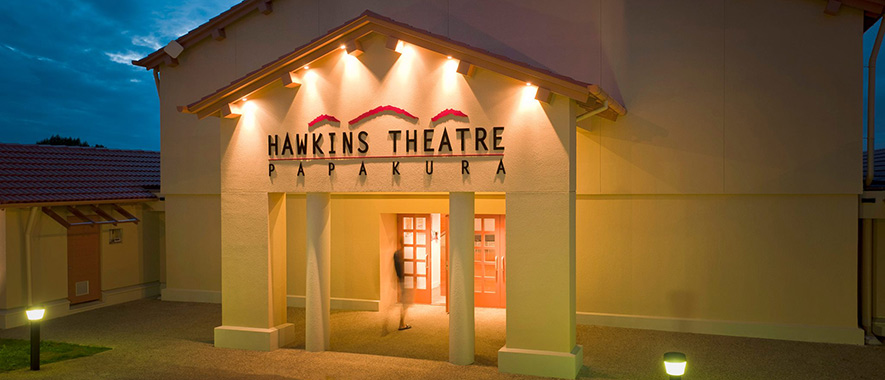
66	141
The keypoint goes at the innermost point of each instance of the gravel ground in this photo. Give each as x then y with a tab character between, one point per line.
152	339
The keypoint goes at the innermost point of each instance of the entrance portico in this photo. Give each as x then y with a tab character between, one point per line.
379	107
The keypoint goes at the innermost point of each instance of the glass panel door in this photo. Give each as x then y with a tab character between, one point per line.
414	231
488	261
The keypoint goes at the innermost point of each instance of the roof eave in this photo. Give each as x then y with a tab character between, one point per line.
369	22
76	203
206	30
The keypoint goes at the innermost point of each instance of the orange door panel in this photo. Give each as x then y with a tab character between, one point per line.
84	263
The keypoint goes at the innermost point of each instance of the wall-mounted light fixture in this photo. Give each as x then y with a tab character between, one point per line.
674	364
543	95
395	44
289	80
353	47
35	315
466	68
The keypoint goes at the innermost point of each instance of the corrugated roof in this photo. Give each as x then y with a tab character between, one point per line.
36	174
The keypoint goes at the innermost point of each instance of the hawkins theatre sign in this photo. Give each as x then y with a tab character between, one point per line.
462	143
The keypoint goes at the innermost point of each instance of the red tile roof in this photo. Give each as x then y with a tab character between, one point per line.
37	174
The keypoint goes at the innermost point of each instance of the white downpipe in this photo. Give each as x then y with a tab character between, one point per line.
32	218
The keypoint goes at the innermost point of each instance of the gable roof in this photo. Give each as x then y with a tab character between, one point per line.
47	174
588	95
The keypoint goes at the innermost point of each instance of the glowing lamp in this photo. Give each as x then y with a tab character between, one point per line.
306	67
674	364
35	313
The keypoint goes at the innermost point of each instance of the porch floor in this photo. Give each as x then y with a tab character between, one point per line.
153	339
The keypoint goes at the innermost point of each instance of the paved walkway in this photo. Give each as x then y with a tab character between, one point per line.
152	339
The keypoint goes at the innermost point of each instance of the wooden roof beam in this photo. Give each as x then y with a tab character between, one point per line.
103	214
77	213
125	213
64	223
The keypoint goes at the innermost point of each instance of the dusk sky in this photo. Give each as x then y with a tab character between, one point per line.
66	68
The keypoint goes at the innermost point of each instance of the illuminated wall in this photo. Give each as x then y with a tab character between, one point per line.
724	202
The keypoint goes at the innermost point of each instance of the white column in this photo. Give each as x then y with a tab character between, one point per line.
319	243
461	323
251	316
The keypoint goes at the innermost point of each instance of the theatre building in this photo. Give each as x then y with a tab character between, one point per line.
684	166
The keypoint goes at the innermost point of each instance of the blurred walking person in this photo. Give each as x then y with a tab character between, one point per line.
404	294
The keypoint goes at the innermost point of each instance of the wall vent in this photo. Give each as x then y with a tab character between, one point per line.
82	288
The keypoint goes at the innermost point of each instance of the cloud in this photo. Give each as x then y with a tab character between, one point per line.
124	58
28	55
146	41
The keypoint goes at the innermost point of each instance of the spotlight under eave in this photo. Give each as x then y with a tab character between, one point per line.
544	95
354	48
466	69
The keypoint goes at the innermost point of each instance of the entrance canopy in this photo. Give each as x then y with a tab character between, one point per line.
226	101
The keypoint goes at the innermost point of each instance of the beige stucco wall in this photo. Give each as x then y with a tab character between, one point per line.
741	115
193	242
136	261
770	259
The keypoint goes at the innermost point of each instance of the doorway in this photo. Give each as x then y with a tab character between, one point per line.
425	252
84	263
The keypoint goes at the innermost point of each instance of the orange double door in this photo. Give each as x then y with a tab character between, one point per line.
489	258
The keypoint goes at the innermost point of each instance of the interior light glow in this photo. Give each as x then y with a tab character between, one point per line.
400	45
449	57
674	363
343	47
528	83
35	314
244	99
306	67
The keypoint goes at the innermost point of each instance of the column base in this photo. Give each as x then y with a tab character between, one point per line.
564	365
256	339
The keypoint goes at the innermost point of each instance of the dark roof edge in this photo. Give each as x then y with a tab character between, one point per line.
80	147
198	34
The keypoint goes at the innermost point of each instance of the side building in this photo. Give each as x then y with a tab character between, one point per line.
80	228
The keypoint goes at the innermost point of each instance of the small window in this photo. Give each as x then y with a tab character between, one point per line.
115	236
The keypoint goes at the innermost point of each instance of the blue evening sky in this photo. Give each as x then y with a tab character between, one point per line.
64	68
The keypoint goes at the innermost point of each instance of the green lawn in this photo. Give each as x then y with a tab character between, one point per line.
16	353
